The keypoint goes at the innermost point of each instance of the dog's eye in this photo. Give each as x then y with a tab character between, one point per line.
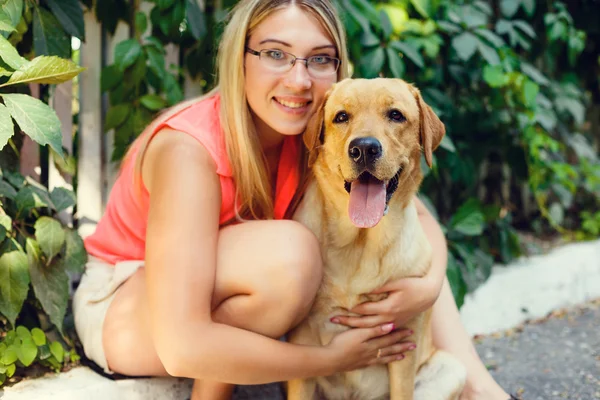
340	117
396	116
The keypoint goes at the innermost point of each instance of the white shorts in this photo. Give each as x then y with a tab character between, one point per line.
97	288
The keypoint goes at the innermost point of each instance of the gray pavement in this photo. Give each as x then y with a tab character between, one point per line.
557	357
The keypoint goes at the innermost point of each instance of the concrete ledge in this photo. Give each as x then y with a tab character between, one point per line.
529	288
532	287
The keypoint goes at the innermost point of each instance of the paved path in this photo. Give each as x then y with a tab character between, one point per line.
553	358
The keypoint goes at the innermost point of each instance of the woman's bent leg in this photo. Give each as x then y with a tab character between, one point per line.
450	335
268	273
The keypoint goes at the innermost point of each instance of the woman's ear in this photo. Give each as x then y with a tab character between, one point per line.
315	131
432	129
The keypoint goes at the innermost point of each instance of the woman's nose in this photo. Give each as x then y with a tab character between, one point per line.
298	77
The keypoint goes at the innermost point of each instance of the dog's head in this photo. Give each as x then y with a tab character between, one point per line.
367	138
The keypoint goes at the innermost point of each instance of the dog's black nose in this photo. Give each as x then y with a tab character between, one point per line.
365	150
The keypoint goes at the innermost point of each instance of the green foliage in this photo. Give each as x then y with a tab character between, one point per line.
36	250
138	83
21	348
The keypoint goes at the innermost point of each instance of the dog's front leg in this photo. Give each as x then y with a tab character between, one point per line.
402	377
301	389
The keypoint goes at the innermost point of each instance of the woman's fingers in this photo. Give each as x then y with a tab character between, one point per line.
396	349
391	339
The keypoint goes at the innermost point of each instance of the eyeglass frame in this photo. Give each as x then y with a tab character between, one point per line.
294	59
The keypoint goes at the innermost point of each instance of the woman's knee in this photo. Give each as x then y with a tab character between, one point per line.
289	285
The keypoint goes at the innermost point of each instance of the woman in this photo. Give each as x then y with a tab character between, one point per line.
174	286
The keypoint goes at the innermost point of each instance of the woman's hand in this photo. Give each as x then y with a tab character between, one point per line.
359	348
407	297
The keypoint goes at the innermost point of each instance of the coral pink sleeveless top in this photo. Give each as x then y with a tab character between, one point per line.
121	232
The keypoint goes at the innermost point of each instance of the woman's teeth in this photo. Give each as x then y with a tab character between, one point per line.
291	104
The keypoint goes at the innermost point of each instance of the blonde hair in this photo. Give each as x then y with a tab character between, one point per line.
245	155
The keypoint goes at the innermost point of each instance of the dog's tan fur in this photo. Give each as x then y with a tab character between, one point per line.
358	261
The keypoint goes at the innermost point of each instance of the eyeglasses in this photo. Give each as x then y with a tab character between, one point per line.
282	61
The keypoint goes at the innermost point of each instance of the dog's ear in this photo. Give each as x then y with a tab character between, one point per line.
432	130
315	131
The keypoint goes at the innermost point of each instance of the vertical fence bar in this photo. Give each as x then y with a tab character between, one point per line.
89	191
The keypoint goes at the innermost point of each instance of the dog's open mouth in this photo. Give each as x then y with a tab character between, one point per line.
369	198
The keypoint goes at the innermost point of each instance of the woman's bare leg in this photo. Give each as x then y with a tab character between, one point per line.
450	335
268	273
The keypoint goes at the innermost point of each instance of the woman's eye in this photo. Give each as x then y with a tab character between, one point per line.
320	59
275	54
396	115
340	117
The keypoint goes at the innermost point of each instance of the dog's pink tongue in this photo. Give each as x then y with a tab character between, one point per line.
367	203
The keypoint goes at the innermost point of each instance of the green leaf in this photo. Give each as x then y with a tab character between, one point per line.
528	6
153	102
196	18
465	45
5	22
395	63
10	55
27	351
409	52
50	235
127	52
116	116
530	91
28	198
6	222
141	23
10	370
23	332
386	24
172	89
468	219
7	128
9	356
509	7
70	15
49	37
14	284
14	9
75	255
447	144
45	69
6	190
534	74
36	119
156	60
491	37
525	27
110	77
495	76
423	7
50	284
489	54
372	62
57	351
457	283
38	336
574	107
62	198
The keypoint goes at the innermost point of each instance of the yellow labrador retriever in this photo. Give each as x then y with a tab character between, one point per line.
365	146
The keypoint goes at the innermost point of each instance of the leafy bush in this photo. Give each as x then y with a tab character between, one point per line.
36	250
